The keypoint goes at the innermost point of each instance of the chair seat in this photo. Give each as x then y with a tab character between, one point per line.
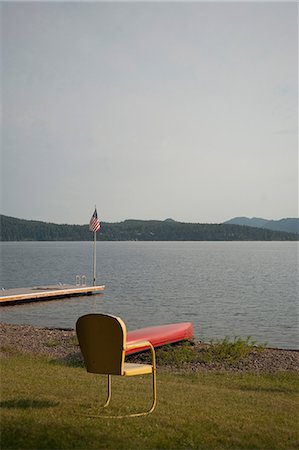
131	369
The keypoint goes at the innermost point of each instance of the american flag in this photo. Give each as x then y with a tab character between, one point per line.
94	224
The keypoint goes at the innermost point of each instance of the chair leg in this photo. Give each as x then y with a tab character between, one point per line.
154	391
109	385
146	413
154	403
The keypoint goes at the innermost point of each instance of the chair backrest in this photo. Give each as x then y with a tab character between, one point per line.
102	339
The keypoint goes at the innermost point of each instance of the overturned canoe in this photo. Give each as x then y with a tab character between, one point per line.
160	335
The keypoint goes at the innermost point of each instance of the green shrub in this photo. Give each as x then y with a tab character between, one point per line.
52	343
176	355
219	351
230	351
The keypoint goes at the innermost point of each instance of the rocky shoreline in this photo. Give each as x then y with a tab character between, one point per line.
62	346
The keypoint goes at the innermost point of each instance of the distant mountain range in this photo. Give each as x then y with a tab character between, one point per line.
13	229
288	225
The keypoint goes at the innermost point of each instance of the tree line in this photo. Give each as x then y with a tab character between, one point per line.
13	229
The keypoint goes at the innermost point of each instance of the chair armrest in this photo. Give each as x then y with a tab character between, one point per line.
138	344
142	344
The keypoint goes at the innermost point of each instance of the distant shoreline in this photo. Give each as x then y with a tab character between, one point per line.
15	230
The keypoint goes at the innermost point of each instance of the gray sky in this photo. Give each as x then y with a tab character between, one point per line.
149	110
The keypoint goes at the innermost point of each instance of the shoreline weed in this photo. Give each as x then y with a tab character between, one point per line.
219	351
229	351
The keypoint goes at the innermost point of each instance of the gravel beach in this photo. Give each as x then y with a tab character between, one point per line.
62	345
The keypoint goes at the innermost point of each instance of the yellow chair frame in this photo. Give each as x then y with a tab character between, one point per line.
102	340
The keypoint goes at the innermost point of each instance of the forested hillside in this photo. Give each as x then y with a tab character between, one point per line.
288	225
13	229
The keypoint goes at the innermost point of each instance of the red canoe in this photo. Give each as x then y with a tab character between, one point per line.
160	335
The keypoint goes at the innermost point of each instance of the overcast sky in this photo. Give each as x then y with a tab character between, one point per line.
149	110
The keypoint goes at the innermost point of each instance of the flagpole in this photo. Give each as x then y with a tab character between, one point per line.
94	257
94	225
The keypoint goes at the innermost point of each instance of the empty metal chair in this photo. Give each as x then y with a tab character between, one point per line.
102	340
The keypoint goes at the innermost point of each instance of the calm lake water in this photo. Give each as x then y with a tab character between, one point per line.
223	288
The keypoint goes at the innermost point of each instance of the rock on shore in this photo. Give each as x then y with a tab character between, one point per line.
62	345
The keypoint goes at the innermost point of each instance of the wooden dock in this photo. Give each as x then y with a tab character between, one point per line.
43	293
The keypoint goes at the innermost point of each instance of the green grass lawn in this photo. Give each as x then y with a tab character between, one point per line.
41	401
